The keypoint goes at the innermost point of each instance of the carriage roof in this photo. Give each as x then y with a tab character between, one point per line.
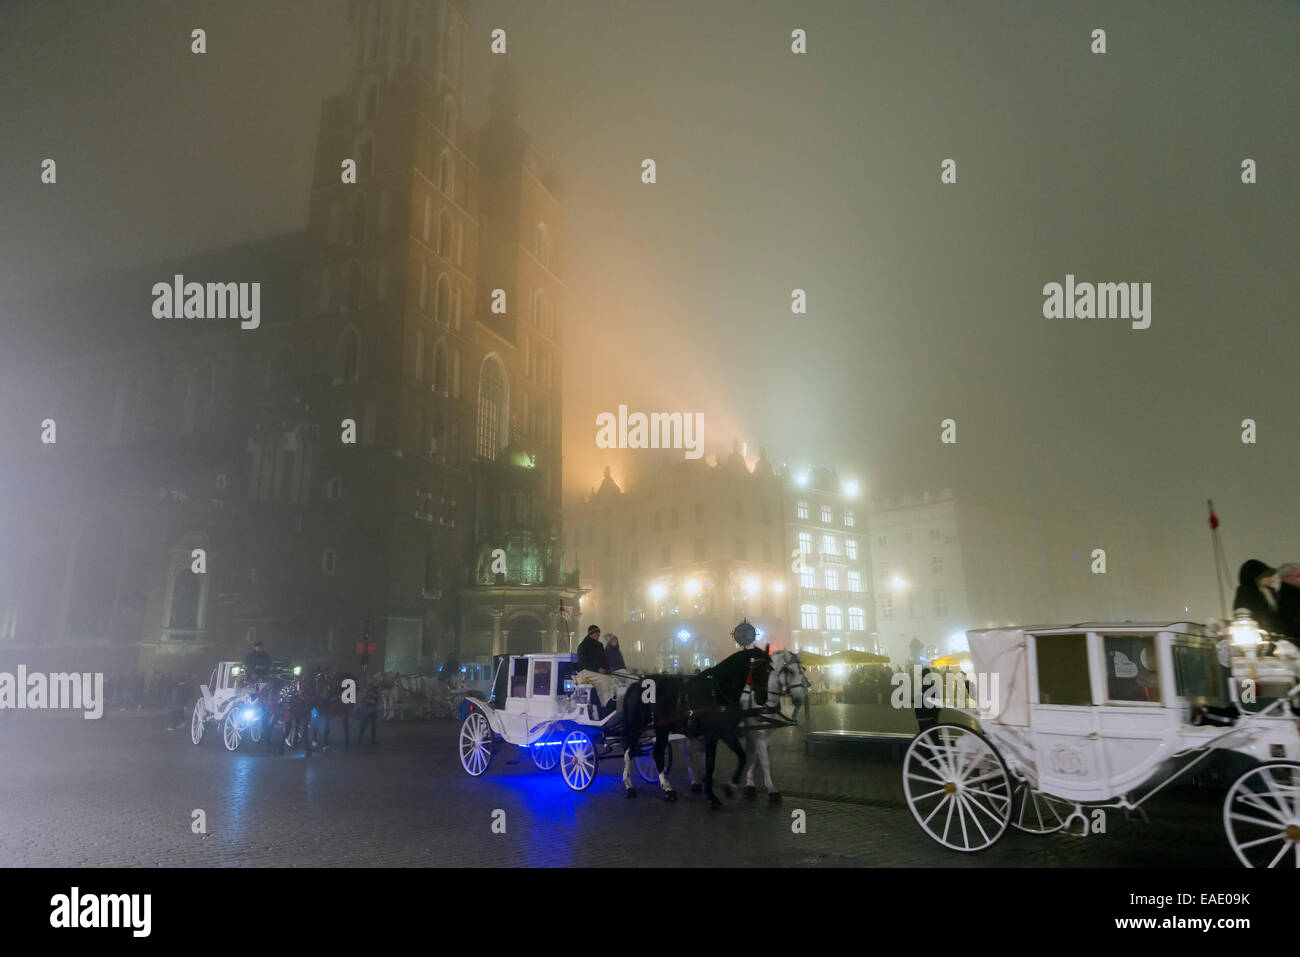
1002	651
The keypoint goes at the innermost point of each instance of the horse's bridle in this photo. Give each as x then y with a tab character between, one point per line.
790	661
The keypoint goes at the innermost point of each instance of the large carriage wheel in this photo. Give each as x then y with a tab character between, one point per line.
1262	815
645	763
578	760
546	751
957	787
476	740
198	722
230	732
1037	813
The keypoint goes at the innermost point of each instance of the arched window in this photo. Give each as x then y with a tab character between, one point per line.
357	222
444	234
369	101
455	308
543	244
365	155
335	218
539	308
442	300
446	173
449	118
347	357
455	375
808	617
186	588
97	564
440	368
352	286
493	409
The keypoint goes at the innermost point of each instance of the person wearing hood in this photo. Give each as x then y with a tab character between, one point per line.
1288	599
1255	595
613	656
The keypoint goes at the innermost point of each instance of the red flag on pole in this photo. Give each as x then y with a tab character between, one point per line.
1214	520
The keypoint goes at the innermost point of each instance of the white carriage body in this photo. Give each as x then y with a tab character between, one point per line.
222	690
539	691
1092	712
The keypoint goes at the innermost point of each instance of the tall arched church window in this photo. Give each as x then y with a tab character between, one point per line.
446	173
352	285
347	357
444	234
493	407
442	300
440	368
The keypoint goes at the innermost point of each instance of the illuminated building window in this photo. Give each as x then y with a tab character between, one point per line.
851	549
801	510
807	578
936	564
849	521
855	581
826	514
940	604
886	607
805	543
832	578
829	545
857	619
834	618
808	617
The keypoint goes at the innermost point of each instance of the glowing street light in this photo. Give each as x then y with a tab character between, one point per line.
692	587
683	635
778	586
658	591
801	479
851	488
751	586
898	582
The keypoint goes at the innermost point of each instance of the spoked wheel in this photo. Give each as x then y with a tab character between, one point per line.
230	731
198	722
475	743
546	751
1262	815
578	760
645	763
1037	813
957	787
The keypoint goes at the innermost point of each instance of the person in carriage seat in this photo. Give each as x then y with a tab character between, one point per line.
593	669
257	663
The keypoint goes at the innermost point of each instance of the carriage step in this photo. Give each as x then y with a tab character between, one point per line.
857	742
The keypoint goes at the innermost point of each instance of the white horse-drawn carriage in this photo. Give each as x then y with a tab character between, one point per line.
231	701
1105	716
538	705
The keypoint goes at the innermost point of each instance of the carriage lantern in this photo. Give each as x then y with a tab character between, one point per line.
1245	631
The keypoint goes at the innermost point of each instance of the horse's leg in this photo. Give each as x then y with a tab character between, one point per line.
661	751
733	742
759	738
690	770
627	770
710	758
765	758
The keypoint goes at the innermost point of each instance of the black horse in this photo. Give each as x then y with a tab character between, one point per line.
706	705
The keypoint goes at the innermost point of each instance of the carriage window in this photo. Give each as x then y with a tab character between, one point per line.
1063	670
541	678
1198	676
519	679
1131	670
564	683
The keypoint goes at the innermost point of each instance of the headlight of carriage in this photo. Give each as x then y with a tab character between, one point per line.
297	670
250	714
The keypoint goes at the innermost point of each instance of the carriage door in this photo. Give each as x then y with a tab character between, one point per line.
1064	720
515	714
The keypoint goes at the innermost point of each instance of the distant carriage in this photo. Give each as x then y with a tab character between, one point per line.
239	707
1105	716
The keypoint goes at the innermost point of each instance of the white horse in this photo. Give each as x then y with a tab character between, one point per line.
788	669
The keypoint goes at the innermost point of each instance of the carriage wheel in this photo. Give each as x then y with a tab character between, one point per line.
230	730
578	760
1261	815
198	722
645	763
1037	813
957	787
476	740
546	751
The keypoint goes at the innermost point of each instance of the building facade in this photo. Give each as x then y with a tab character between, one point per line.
830	588
343	468
677	561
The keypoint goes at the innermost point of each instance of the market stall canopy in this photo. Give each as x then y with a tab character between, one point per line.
811	659
851	657
952	661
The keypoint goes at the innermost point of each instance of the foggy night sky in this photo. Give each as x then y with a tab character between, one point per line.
779	171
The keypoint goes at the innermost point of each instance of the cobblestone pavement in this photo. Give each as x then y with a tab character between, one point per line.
121	791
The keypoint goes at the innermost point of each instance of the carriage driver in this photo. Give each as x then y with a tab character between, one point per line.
257	662
592	667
